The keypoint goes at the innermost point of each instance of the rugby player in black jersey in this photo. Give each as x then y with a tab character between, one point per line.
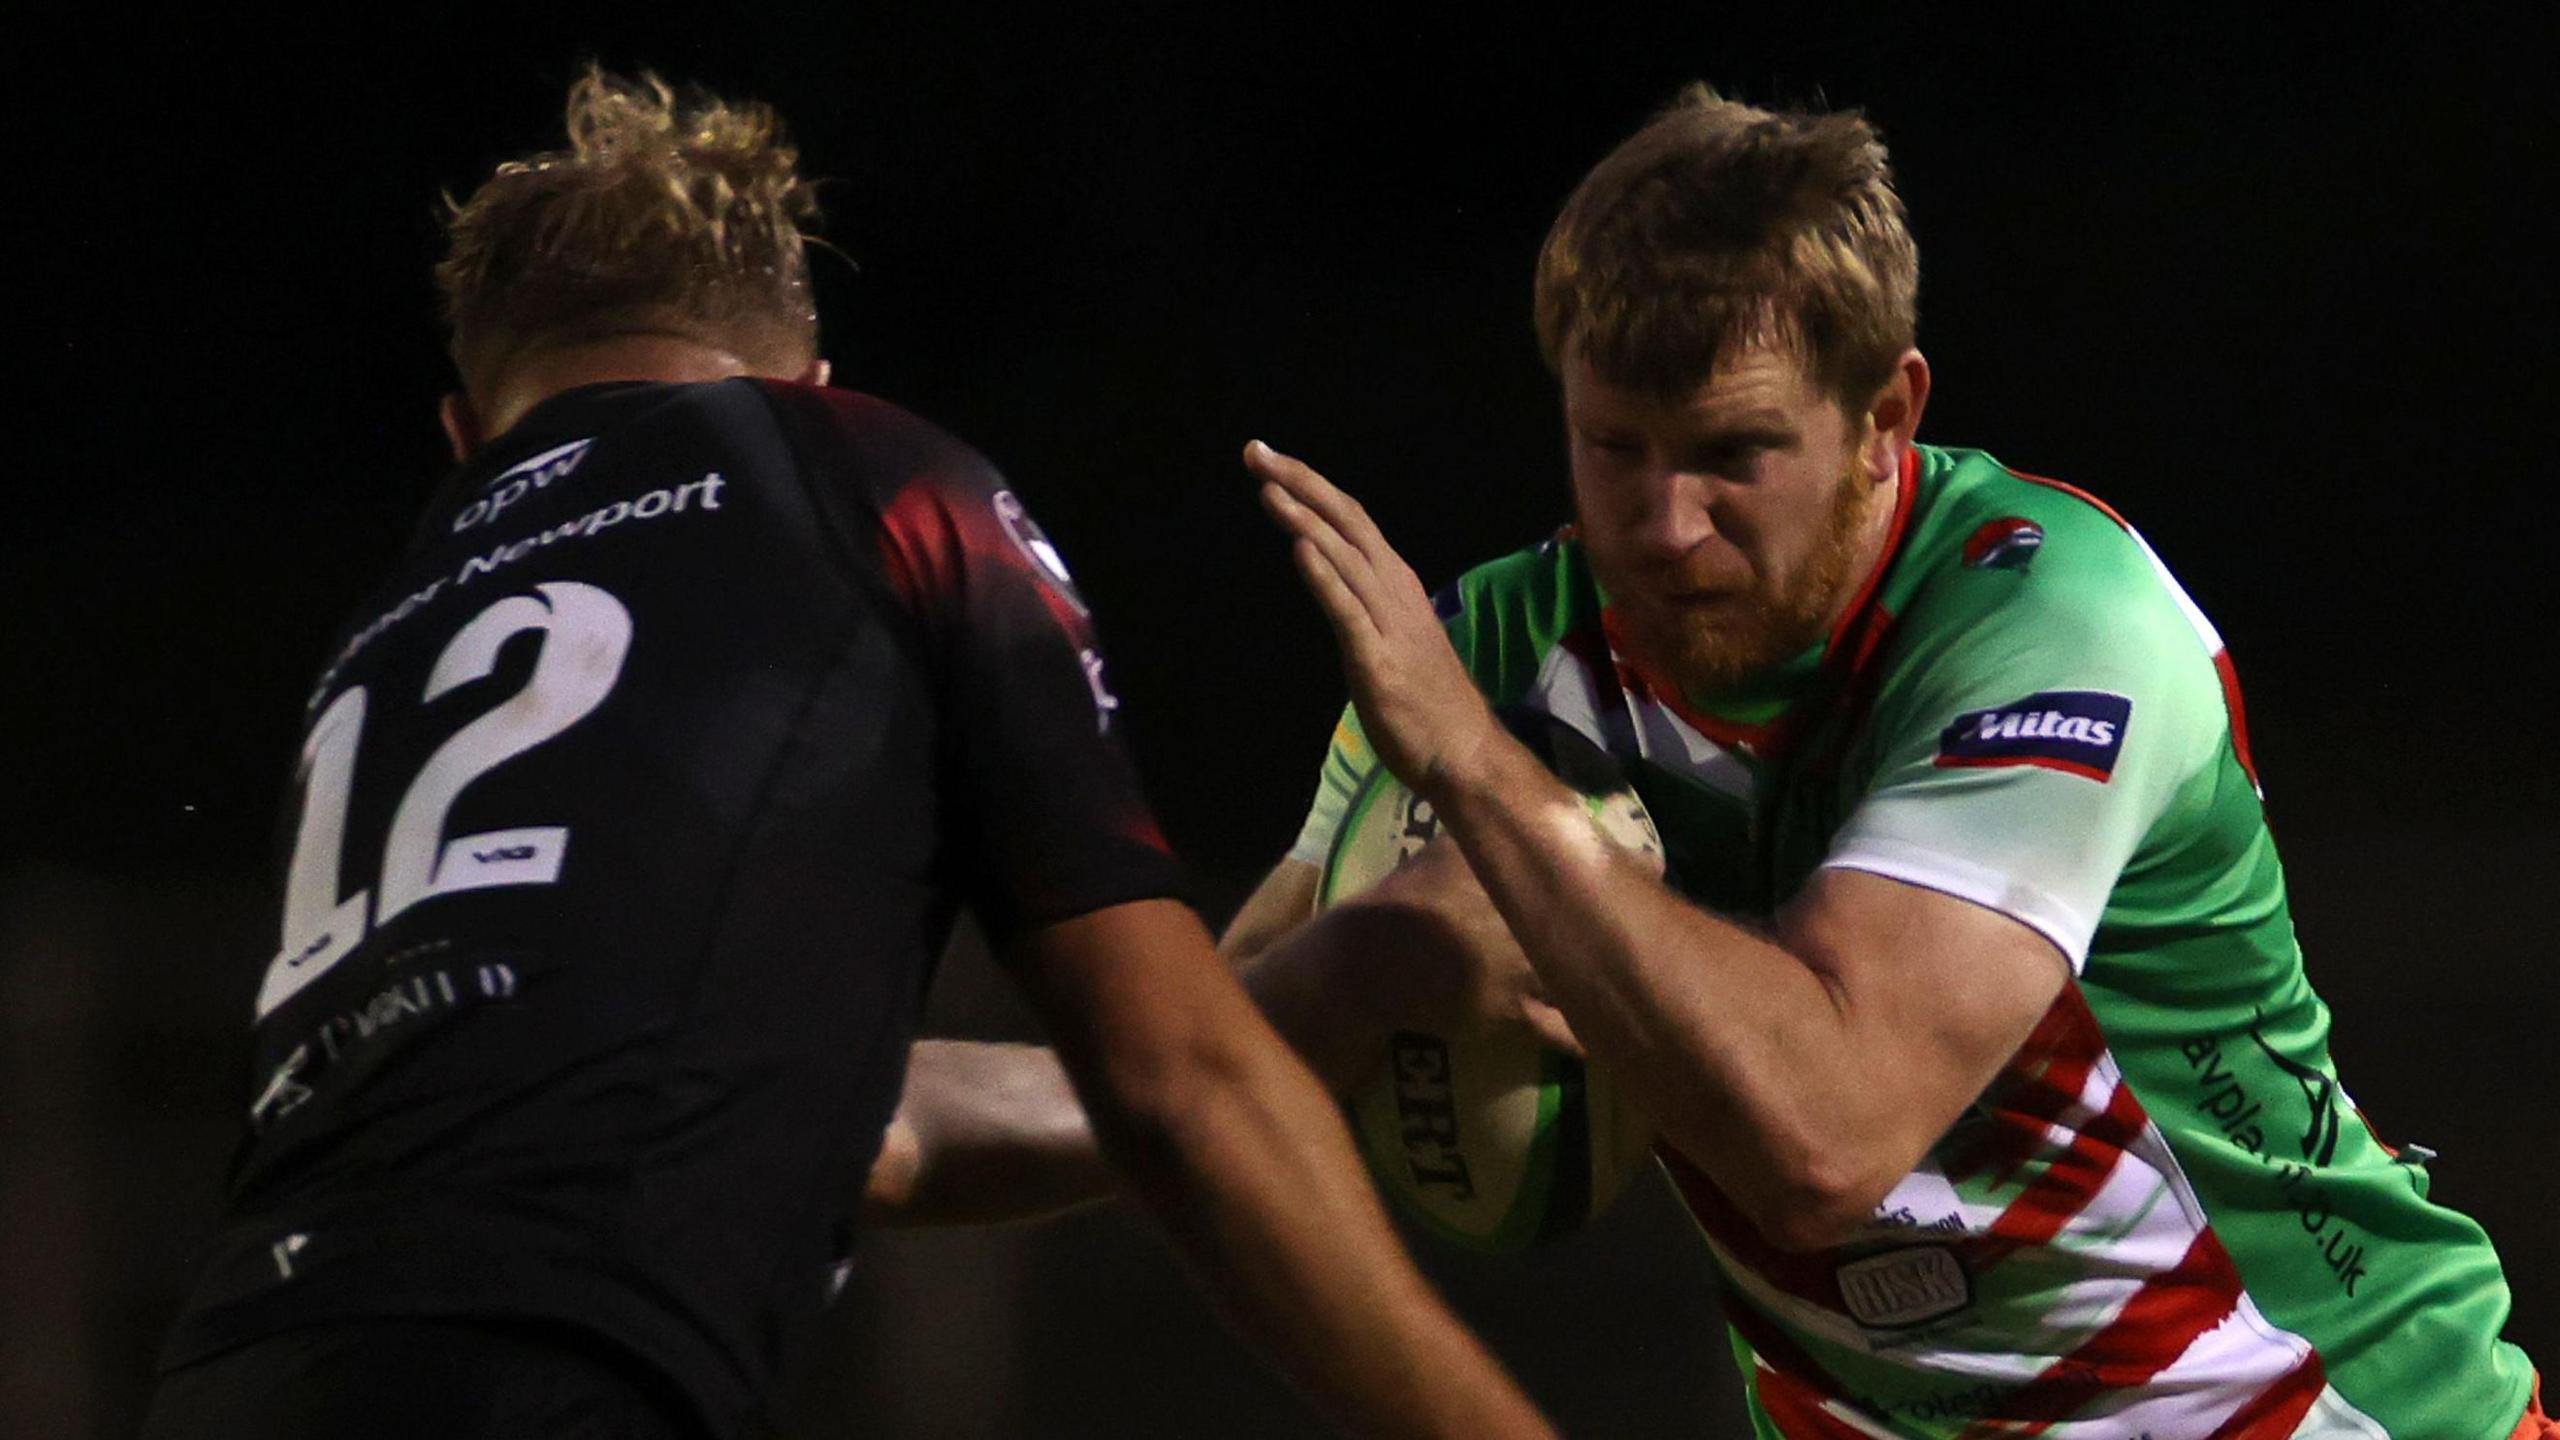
636	803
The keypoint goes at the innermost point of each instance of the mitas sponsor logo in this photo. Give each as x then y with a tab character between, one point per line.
2079	732
1904	1287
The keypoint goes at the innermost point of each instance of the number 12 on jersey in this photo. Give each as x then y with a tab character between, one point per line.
585	634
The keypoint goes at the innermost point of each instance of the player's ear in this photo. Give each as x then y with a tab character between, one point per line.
1893	416
461	424
816	374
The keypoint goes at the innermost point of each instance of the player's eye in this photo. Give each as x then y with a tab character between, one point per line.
1733	457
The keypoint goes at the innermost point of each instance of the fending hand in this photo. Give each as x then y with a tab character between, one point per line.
1419	708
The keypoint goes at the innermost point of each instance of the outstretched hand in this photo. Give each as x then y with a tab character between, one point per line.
1417	705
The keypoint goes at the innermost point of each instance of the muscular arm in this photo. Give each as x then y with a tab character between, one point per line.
1300	988
1285	900
1241	1156
1806	1071
984	1132
988	1132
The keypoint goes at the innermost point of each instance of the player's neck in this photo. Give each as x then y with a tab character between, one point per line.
540	374
1868	544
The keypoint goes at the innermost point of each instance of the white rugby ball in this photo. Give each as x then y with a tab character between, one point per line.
1486	1138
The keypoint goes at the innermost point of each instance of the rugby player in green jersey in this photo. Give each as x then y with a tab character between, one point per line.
1973	1018
1971	1014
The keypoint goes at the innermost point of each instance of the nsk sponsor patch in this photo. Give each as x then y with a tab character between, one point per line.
2079	732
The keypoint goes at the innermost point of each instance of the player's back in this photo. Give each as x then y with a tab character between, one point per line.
616	869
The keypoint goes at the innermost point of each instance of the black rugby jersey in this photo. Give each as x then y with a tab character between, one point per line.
636	805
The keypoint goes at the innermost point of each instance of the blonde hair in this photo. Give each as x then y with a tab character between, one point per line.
664	216
1720	225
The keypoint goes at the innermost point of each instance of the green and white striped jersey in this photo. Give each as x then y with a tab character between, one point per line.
2164	1218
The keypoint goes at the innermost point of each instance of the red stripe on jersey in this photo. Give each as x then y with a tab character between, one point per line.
1810	1275
2040	762
1998	1144
2280	1407
2230	675
1789	1385
2221	658
1796	1409
2076	493
2534	1424
920	548
935	535
2156	1326
1853	640
2367	1121
2074	1177
2040	1085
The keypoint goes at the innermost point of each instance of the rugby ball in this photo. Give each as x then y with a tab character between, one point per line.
1485	1138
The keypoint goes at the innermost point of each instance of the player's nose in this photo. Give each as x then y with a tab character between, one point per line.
1674	516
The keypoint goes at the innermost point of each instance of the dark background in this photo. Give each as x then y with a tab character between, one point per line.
2268	282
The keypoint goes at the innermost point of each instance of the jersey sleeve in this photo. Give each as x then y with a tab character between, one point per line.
2025	748
1043	797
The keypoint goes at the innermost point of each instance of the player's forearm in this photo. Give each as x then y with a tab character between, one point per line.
1249	1167
984	1133
1742	1052
1283	902
1327	989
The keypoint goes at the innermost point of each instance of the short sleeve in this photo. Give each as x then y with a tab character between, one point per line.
1048	815
2025	750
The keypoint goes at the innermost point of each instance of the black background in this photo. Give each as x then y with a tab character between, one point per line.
2272	283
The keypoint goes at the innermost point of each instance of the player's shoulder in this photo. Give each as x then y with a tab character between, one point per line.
1982	515
884	442
1994	546
1539	586
1506	615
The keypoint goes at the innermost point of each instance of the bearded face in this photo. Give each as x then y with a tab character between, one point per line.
1730	529
1713	641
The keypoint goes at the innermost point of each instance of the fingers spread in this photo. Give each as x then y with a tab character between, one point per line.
1320	495
1311	528
1349	617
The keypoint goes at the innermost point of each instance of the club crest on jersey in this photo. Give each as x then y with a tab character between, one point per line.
2079	732
1028	538
2009	543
